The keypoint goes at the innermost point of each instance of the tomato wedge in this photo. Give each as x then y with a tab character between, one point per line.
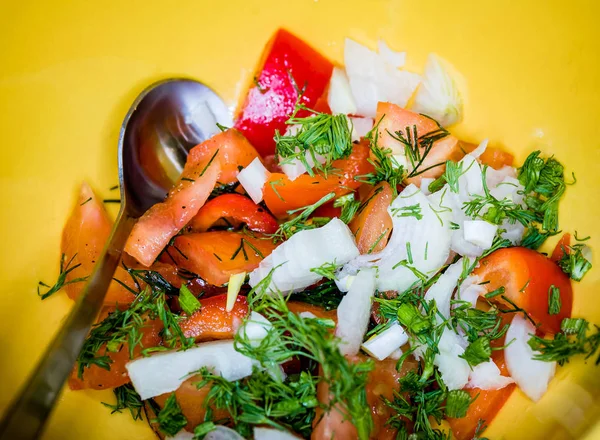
191	400
383	381
562	248
85	233
372	225
288	65
212	321
230	148
161	222
282	194
527	276
485	407
234	207
394	118
100	379
214	256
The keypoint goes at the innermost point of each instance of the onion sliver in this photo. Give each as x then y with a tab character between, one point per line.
385	343
531	375
486	376
272	434
354	311
253	179
340	97
166	371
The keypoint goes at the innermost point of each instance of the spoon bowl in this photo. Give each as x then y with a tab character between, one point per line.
164	122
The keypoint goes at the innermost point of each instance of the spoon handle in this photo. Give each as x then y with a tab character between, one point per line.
26	416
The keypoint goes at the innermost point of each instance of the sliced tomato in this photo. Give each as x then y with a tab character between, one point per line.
230	148
163	221
237	208
282	194
191	400
99	378
215	256
322	104
372	225
299	307
562	248
288	65
394	118
485	407
327	210
212	321
84	235
527	276
492	156
383	381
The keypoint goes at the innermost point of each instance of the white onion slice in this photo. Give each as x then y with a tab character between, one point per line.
340	97
272	434
181	435
233	289
360	127
385	343
453	369
443	288
373	78
438	95
255	328
166	371
253	179
486	376
354	311
480	233
532	376
305	250
294	168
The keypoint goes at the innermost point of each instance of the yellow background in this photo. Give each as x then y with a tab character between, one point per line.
70	69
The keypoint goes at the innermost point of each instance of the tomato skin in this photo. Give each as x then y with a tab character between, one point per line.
100	379
394	118
211	254
237	207
288	64
527	276
372	226
234	151
327	210
212	321
562	248
281	194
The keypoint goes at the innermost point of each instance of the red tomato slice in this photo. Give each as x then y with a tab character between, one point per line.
289	64
383	381
372	226
234	151
396	118
212	321
236	207
327	210
214	256
562	248
98	378
84	235
485	407
191	400
281	194
527	276
163	221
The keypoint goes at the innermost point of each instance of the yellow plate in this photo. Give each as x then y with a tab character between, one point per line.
69	70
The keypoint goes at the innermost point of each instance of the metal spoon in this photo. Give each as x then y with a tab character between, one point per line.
164	122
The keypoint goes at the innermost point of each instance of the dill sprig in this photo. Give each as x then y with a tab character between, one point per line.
263	399
325	295
291	335
574	263
127	398
318	134
575	338
65	269
349	206
301	220
170	419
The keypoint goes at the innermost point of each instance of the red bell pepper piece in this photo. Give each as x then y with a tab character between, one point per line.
237	208
289	65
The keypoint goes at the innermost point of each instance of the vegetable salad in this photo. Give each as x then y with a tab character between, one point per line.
336	265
